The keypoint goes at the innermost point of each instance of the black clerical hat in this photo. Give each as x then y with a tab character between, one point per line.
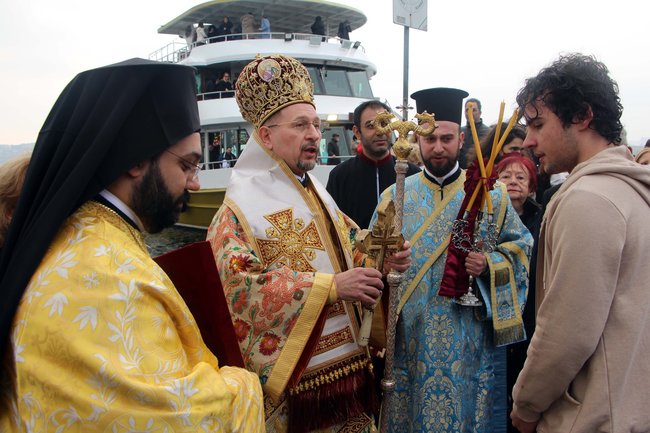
445	103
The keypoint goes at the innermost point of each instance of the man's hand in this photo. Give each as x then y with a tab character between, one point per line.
475	263
400	261
359	284
521	425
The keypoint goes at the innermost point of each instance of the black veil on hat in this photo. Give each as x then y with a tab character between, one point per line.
446	103
105	122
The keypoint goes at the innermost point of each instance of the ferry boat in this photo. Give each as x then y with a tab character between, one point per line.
339	69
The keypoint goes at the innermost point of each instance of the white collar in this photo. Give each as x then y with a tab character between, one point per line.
440	180
112	198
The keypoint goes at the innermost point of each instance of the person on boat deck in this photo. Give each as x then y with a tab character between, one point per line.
318	27
229	158
344	30
189	35
224	85
445	353
225	27
214	149
287	264
201	35
212	34
265	27
247	23
100	340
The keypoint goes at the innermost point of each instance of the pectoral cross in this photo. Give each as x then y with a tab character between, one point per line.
378	244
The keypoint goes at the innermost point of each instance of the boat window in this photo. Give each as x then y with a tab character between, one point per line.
315	78
346	143
360	84
336	83
219	141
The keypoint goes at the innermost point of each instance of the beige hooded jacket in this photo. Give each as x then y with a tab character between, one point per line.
588	365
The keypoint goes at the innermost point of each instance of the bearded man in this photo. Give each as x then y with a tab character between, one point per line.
287	265
101	340
445	352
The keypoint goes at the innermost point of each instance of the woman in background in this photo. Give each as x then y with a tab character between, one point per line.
12	176
519	175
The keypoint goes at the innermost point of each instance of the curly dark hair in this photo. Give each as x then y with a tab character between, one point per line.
569	87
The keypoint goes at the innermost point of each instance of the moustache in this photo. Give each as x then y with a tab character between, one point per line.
309	146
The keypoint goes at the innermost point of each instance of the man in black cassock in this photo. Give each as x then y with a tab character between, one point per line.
357	183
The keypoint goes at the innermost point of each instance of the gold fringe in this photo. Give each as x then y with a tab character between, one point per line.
332	374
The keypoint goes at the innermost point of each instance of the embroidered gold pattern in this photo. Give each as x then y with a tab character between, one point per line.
290	243
331	374
270	83
344	231
336	309
335	339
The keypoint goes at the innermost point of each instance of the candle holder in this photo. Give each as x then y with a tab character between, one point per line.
480	243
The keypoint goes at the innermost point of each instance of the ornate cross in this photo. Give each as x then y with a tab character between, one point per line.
381	241
378	244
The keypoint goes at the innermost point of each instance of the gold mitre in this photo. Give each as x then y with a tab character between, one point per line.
270	83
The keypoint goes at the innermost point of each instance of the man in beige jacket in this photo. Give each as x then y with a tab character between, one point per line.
588	367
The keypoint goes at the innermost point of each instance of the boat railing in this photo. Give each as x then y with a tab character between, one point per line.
176	51
227	163
216	95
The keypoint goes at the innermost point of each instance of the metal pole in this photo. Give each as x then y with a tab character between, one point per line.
405	90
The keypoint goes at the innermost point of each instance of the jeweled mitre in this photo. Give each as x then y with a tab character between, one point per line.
270	83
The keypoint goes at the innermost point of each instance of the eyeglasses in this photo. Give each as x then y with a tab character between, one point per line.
189	167
300	125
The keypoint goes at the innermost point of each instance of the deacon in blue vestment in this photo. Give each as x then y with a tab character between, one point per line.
445	353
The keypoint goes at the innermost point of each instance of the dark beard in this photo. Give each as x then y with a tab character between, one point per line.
376	153
154	204
440	171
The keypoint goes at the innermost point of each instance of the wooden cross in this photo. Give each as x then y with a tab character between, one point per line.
381	241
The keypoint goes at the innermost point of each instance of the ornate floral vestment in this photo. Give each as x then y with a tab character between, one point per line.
103	342
443	351
277	245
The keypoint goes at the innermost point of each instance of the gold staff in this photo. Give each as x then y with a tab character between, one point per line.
402	149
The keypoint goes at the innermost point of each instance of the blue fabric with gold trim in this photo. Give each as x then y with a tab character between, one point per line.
444	353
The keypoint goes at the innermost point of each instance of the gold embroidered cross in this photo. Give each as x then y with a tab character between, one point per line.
289	242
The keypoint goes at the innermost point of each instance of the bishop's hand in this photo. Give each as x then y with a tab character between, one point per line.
359	284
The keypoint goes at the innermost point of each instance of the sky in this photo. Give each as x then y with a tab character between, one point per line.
485	48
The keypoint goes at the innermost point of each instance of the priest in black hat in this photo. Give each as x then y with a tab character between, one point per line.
445	352
95	336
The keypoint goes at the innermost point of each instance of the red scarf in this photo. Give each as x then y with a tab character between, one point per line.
455	279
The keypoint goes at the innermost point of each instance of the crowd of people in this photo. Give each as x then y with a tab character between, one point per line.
199	34
97	337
